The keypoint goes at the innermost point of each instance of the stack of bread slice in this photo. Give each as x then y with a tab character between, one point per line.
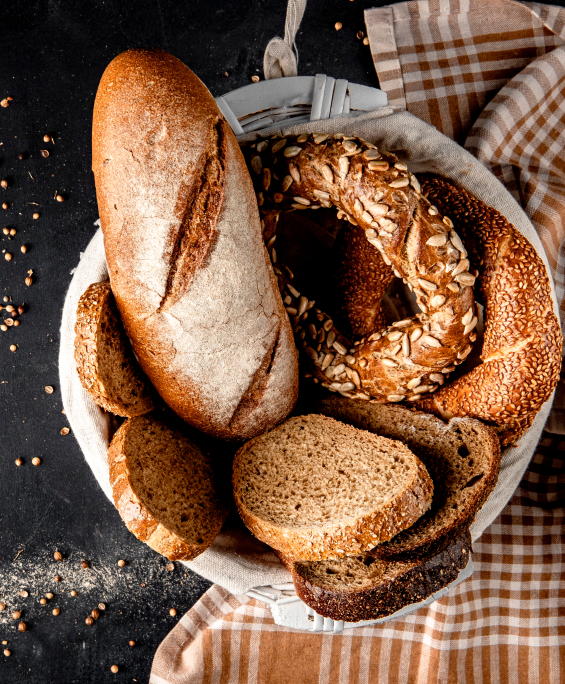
352	514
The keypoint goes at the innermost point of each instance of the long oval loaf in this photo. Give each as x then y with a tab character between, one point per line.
188	268
164	488
315	488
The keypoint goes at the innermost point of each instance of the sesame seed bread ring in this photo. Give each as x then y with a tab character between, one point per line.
376	192
521	354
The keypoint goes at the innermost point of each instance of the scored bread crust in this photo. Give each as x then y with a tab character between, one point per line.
96	306
457	498
407	583
336	539
191	277
138	519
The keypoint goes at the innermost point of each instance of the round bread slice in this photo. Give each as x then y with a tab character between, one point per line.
315	488
106	365
164	488
361	587
462	458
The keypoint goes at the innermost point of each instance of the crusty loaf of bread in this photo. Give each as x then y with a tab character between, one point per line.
105	363
462	458
188	268
315	488
364	588
164	488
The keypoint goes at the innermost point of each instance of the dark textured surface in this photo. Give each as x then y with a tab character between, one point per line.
53	55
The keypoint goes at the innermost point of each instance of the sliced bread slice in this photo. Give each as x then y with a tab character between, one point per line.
315	488
106	365
361	587
462	458
164	488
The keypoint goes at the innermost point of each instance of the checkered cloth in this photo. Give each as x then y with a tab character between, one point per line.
491	75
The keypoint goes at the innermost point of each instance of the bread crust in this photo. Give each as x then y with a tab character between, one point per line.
336	540
187	265
523	342
95	305
414	581
138	518
419	431
521	355
379	196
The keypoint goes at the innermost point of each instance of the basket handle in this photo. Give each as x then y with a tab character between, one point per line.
281	56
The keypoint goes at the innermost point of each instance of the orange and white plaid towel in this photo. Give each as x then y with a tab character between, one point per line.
491	75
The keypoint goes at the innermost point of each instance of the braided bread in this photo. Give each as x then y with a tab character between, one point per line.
404	232
521	354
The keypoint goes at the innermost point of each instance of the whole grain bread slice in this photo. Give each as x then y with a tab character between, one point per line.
164	488
462	458
361	587
315	488
106	365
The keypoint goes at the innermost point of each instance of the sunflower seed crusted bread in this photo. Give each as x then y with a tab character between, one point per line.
462	458
361	587
164	488
375	191
105	363
314	488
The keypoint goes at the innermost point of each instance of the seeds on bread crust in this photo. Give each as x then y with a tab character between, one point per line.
387	209
521	355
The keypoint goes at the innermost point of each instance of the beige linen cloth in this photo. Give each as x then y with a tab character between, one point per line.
490	75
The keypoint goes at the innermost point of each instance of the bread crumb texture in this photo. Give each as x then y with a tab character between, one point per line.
105	362
164	488
364	588
316	488
462	458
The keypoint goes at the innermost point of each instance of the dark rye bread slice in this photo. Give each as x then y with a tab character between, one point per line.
365	588
315	488
106	365
462	458
164	488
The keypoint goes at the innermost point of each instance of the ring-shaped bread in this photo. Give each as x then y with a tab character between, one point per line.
375	191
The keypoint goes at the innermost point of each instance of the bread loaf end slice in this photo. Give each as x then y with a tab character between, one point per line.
315	488
164	488
106	365
361	587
